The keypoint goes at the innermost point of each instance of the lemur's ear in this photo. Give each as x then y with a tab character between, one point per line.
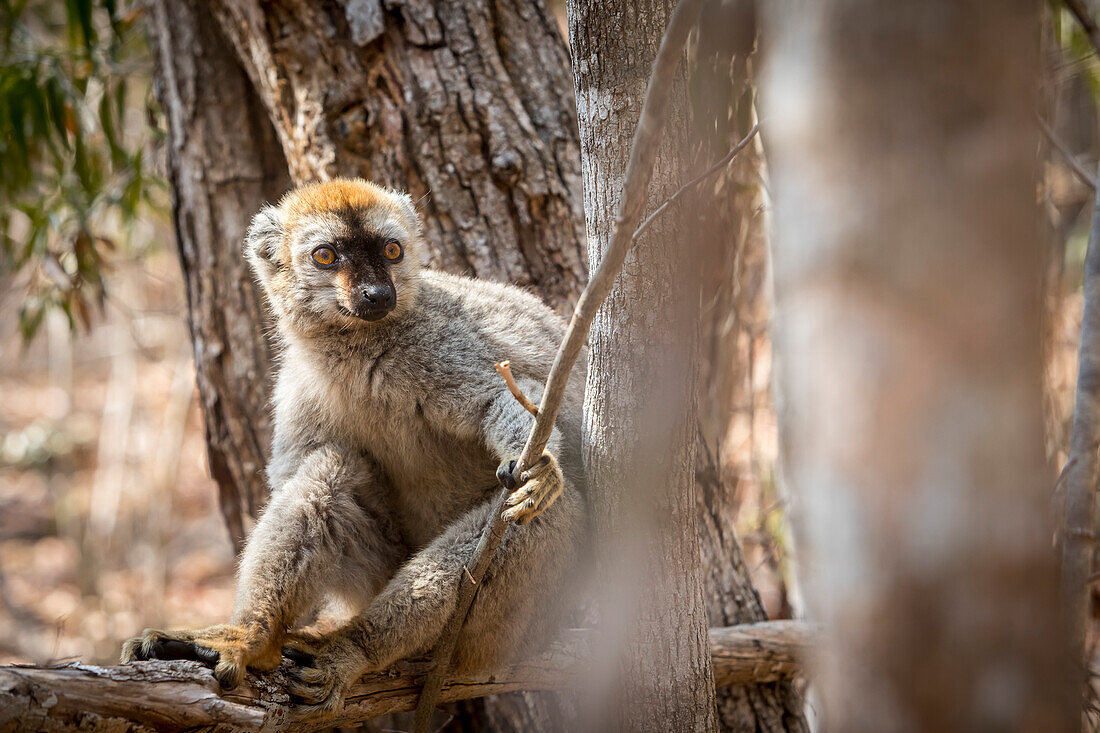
262	242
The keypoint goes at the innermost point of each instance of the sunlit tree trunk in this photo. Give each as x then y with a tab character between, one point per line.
640	406
908	266
467	105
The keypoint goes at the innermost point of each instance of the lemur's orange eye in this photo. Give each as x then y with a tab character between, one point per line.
324	256
393	251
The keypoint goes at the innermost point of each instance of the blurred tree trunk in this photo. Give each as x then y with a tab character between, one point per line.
640	403
908	266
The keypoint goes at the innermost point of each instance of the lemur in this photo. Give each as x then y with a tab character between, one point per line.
390	424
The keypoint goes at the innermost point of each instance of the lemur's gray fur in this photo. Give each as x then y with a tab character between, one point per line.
390	424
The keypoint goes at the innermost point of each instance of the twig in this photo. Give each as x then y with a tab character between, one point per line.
1062	475
504	368
1080	479
705	174
1077	7
1061	147
639	171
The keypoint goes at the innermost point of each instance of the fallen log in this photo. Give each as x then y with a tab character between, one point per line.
177	696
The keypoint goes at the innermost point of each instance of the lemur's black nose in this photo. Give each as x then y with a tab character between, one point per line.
379	296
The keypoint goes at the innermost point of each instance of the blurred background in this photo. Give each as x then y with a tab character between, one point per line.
108	517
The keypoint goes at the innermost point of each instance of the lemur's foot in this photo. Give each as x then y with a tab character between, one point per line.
538	488
229	649
322	669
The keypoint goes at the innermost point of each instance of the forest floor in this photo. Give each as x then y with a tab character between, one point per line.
108	520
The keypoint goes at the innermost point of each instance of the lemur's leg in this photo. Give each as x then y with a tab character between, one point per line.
318	523
519	597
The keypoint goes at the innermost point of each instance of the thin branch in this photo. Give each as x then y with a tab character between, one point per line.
1077	7
179	696
1075	165
1078	536
694	181
504	368
639	171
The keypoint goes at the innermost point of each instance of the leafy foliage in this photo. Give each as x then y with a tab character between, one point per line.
73	163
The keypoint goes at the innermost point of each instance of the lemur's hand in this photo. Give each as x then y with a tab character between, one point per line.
538	488
322	669
228	648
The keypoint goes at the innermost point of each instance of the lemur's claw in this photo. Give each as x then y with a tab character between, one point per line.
538	488
298	656
320	671
506	474
228	649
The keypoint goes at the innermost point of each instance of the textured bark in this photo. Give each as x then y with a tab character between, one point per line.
223	163
907	268
640	421
466	105
179	696
734	322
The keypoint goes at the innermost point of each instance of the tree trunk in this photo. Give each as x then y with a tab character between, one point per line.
466	105
640	417
223	163
734	323
907	268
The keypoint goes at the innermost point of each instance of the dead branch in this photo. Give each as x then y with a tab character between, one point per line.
1081	470
639	171
697	180
504	368
176	696
1079	170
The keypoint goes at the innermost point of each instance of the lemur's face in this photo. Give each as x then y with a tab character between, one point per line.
352	261
344	253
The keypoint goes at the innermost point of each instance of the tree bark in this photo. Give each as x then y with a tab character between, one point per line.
223	163
640	418
907	269
734	324
466	105
183	696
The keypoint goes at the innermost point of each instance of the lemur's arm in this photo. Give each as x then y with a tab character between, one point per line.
505	427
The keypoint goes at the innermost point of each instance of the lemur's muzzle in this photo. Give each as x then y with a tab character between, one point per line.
372	302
